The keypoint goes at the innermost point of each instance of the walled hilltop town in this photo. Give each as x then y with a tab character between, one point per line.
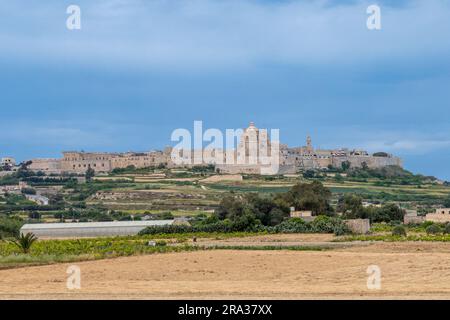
291	159
181	223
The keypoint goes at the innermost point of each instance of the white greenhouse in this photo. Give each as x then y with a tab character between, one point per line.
90	229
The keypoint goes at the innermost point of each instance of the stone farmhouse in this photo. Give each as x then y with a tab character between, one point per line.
251	142
441	215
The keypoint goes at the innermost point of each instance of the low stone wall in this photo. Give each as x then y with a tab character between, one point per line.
439	218
413	219
360	226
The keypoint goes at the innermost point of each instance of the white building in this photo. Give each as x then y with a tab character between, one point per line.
40	200
8	161
90	229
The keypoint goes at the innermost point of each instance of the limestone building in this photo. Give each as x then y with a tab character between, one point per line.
48	166
251	156
8	161
440	215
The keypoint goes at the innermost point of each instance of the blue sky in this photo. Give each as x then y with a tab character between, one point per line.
137	70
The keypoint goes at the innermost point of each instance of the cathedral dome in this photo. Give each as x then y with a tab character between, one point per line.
252	127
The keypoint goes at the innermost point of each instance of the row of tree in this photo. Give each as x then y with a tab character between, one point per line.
314	197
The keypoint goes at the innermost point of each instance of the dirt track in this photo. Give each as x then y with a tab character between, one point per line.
409	270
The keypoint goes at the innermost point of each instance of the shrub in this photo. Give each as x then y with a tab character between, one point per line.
9	227
399	231
243	224
434	229
387	213
426	224
325	224
341	229
293	225
28	191
322	224
447	228
24	242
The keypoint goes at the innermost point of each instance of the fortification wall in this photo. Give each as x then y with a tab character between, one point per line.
79	162
46	165
371	161
139	160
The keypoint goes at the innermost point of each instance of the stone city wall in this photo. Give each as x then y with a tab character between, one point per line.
371	161
46	165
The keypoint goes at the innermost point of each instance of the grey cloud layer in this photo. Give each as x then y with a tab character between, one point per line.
214	34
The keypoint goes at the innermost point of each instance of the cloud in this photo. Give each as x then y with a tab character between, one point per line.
409	146
222	34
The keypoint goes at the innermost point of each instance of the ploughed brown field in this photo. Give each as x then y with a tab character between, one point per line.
409	270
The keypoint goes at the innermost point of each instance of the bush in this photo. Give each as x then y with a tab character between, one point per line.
28	191
246	223
387	213
9	227
426	224
447	228
322	224
399	231
434	229
341	229
293	225
325	224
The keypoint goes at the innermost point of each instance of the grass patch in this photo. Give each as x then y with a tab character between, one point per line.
20	260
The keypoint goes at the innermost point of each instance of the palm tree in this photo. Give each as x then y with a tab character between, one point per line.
24	242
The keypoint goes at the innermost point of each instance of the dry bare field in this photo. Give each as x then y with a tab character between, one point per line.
409	270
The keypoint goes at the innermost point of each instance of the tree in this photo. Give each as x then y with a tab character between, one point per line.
10	226
364	165
229	208
351	206
28	191
90	173
447	202
34	215
309	196
338	178
309	174
345	165
265	210
25	242
380	154
387	213
56	199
